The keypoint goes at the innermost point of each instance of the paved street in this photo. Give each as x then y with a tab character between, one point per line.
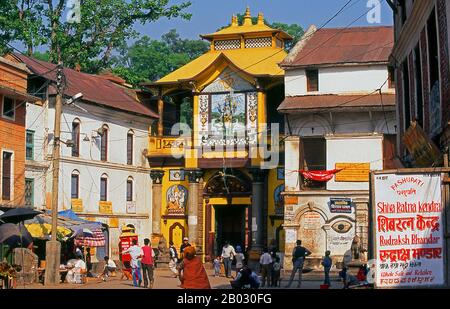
164	280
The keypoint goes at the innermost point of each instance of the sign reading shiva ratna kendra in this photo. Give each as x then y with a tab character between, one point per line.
408	227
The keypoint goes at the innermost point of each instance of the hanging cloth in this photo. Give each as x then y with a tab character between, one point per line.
321	176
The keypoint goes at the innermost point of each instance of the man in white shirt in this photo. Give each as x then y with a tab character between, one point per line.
266	262
228	254
136	254
74	274
110	266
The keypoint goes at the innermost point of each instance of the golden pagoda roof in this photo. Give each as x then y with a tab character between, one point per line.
257	62
247	28
263	62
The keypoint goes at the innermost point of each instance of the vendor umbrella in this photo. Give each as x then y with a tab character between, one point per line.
15	236
17	215
97	239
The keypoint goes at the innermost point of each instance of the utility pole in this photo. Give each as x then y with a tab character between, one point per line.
53	247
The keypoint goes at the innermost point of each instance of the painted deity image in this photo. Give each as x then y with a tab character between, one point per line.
177	196
228	115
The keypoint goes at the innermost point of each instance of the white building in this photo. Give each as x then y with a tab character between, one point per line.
339	109
104	175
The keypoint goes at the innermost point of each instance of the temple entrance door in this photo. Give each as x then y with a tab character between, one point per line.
230	226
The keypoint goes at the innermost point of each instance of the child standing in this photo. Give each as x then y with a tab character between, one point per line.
276	271
239	259
327	263
217	263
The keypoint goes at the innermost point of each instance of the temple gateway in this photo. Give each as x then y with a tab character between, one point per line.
214	178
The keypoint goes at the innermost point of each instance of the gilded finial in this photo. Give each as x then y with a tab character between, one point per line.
234	20
260	19
247	17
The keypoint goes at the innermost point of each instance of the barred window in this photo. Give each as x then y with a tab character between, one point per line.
227	44
258	42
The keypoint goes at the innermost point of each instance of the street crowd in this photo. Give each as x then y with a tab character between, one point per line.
189	269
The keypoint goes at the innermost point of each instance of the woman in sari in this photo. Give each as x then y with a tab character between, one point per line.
192	272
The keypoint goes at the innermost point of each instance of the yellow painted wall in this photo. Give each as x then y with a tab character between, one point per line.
166	184
273	183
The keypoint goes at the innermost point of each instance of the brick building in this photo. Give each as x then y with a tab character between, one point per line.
13	94
421	60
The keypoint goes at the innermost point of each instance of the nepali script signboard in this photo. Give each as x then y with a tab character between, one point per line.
408	226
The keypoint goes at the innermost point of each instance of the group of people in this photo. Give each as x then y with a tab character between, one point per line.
188	267
142	259
226	259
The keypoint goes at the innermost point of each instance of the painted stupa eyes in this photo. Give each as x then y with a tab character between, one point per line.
342	226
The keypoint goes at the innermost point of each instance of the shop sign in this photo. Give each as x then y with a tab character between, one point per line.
113	222
408	230
131	207
422	149
340	205
77	205
352	172
105	207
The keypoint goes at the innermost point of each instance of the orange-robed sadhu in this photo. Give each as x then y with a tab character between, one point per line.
194	275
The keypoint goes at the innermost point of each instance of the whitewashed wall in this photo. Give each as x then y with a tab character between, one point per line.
90	167
342	123
36	169
342	80
368	149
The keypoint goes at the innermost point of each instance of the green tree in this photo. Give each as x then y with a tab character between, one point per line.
149	60
105	25
294	30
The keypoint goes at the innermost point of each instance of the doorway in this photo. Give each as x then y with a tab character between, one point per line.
230	226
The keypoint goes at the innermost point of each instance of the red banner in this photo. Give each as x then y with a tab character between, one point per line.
322	176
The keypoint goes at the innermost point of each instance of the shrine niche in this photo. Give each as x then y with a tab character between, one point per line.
230	183
176	234
177	197
278	200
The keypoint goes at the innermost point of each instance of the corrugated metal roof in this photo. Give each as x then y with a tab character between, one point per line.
344	45
95	88
313	103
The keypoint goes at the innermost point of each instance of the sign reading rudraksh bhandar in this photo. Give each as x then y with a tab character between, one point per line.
408	230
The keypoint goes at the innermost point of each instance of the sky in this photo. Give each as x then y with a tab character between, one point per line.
209	15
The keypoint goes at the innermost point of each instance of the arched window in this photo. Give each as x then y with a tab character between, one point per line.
104	188
130	137
75	185
130	189
76	137
104	143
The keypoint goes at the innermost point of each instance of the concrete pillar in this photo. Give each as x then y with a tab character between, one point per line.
257	216
362	222
157	176
194	177
292	163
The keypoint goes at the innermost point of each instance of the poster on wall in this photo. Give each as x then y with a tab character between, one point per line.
408	230
340	205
